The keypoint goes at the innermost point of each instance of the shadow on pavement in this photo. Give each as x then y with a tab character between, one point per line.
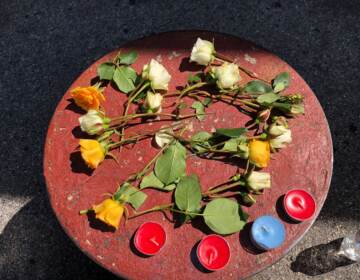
34	246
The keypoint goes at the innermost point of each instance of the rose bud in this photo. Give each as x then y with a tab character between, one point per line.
257	181
153	102
93	122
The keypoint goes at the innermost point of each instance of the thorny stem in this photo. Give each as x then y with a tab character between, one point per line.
190	88
124	119
143	85
147	166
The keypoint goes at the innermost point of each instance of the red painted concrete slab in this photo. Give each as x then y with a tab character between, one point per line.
306	163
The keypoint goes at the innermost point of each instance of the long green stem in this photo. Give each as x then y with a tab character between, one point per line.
224	188
154	209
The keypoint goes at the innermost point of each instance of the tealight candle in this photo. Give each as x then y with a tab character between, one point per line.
267	232
150	238
299	205
213	252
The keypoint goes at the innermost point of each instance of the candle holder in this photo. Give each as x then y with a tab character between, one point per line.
299	205
213	252
150	238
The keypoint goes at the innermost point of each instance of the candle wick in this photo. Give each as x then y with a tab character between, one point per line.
152	240
299	202
211	257
264	228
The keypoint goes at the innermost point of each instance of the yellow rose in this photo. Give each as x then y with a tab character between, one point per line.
92	152
109	211
87	97
259	153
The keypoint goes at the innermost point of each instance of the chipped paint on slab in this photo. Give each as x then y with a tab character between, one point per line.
173	54
250	59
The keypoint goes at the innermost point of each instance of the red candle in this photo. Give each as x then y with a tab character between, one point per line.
213	252
150	238
299	204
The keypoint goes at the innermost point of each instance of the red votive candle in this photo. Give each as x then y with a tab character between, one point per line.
213	252
150	238
299	205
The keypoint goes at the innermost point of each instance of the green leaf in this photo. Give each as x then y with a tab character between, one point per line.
201	136
171	164
222	216
188	194
128	58
257	87
124	77
281	81
231	132
199	110
182	105
231	145
129	194
106	71
267	99
207	101
285	107
151	181
169	187
193	79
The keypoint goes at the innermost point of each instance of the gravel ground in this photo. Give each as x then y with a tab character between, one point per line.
45	45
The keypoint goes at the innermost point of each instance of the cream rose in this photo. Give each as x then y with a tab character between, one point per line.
227	75
202	52
157	75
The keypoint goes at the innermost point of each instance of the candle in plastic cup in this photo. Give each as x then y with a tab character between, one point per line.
213	252
267	232
150	238
299	205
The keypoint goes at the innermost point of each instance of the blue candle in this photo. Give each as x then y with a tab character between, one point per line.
267	232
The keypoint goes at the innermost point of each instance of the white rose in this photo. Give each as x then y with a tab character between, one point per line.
202	52
93	122
227	75
153	102
280	141
157	75
257	181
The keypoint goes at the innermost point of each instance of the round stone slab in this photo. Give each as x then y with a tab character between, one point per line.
306	163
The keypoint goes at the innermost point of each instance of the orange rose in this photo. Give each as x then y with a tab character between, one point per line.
259	153
92	152
87	97
109	211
